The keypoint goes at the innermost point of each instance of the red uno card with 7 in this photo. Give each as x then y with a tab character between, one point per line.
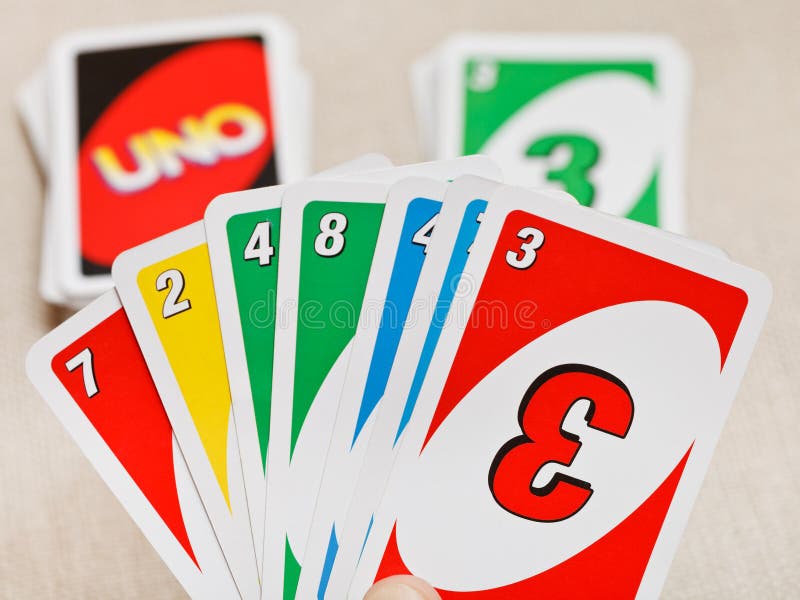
600	362
93	375
150	123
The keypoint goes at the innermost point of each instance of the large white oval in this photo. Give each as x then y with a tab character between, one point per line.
451	531
621	112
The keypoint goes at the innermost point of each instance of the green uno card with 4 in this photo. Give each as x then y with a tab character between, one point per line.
242	229
601	117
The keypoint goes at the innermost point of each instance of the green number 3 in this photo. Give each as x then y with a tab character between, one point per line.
574	176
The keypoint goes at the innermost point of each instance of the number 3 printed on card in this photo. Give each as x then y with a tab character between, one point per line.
574	175
541	417
533	240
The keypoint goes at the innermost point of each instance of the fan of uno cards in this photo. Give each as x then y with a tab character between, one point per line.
379	371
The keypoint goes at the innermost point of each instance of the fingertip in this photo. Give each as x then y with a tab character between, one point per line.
402	587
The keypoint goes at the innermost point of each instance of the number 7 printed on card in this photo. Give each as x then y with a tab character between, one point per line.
92	374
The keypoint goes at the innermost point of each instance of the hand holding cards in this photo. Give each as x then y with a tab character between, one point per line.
298	387
408	370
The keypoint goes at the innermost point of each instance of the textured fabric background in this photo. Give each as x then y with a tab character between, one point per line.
62	533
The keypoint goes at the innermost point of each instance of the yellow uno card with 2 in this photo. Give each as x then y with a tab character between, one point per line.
167	291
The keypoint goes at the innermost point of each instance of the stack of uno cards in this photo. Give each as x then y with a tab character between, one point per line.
137	129
391	370
600	117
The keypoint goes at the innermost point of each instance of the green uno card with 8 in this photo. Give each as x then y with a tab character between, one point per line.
328	230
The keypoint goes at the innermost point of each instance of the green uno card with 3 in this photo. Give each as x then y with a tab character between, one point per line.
600	117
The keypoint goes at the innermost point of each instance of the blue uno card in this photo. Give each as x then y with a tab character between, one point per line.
390	349
406	231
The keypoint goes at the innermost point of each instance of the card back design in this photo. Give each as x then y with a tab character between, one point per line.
151	132
144	116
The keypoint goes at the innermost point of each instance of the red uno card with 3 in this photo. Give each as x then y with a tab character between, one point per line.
93	375
570	411
151	123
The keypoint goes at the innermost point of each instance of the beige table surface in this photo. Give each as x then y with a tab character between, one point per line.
62	533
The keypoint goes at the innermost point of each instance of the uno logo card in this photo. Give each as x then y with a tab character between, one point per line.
151	123
600	117
93	375
591	450
167	290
